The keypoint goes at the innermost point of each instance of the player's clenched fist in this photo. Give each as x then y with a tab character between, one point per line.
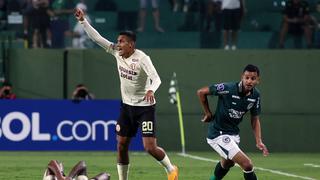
79	14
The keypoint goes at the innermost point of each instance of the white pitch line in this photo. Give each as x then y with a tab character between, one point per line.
312	165
259	168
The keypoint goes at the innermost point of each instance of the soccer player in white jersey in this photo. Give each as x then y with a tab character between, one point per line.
139	81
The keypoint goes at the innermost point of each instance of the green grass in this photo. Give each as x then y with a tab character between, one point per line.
30	165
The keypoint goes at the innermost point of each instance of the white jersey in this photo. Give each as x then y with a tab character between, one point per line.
137	73
230	4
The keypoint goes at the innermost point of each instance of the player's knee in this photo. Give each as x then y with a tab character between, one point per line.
150	149
247	165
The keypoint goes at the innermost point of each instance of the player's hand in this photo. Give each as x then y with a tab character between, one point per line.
79	14
149	97
207	117
263	148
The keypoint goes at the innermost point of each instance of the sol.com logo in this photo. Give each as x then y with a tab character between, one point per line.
31	127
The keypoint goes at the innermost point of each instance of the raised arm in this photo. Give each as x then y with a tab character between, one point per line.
92	33
202	94
255	124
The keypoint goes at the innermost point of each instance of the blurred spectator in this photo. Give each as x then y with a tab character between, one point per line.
3	13
316	25
296	21
80	38
176	4
6	91
82	93
61	9
105	5
40	23
143	14
232	12
214	13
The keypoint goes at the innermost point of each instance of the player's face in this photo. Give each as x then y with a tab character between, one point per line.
249	80
125	46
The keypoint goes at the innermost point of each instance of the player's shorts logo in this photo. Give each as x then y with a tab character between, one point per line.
226	139
118	128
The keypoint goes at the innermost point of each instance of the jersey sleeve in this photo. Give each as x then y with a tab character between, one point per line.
218	89
148	67
256	109
97	38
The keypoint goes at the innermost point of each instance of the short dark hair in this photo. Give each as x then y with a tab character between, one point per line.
130	34
252	68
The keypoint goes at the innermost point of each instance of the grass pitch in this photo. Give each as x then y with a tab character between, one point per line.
20	165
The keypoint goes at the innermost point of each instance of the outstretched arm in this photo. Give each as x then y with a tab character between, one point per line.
92	33
255	124
202	94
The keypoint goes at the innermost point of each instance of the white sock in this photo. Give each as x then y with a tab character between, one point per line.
165	162
123	171
82	177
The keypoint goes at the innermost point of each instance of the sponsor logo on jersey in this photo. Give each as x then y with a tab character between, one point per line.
235	114
135	60
220	87
251	100
235	97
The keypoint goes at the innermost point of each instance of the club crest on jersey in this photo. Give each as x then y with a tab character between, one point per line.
250	105
133	66
220	87
226	139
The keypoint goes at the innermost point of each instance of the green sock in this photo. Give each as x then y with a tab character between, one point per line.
213	177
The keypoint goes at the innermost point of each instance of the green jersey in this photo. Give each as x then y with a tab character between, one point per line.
231	107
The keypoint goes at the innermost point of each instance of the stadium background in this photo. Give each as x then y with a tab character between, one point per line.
289	77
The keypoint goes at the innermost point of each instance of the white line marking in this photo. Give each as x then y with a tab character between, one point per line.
259	168
312	165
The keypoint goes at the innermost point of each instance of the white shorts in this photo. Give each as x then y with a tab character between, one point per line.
225	145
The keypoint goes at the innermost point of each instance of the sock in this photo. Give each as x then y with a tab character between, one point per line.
165	162
82	177
123	171
219	171
249	175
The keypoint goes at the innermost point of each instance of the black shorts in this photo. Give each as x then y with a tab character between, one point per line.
133	117
231	19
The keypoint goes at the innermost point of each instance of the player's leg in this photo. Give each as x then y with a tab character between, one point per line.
221	169
102	176
54	171
148	127
283	33
150	145
123	157
245	163
125	130
226	146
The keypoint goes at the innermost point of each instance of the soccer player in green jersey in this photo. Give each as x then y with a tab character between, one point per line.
234	100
